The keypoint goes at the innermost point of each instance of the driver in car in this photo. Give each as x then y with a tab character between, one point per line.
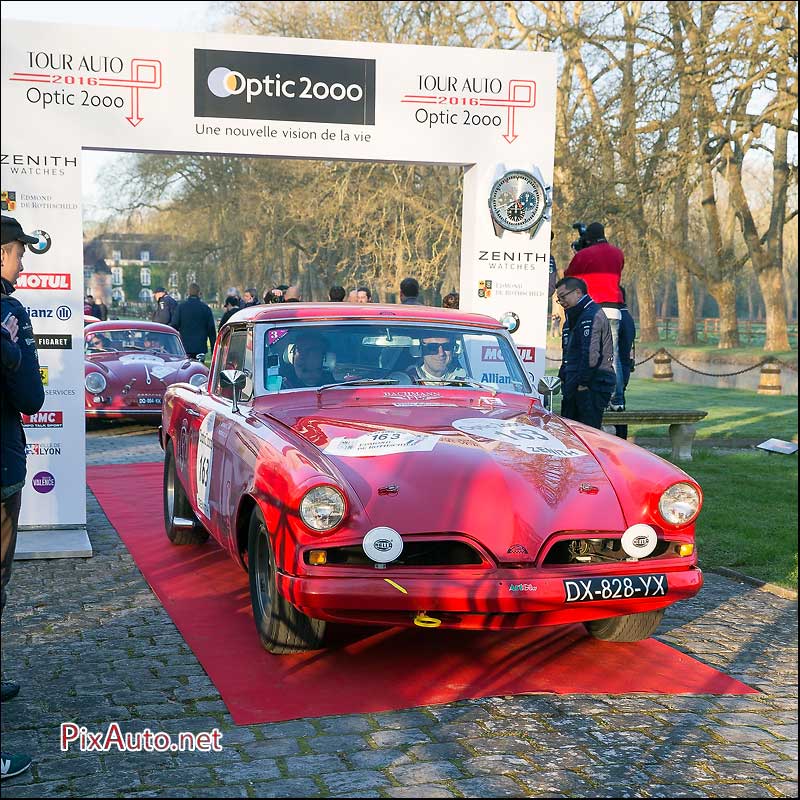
437	362
96	341
307	363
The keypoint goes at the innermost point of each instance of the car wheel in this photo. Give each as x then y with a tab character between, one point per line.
628	628
180	522
281	627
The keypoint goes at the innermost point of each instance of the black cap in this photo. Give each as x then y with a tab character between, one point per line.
595	231
12	232
159	289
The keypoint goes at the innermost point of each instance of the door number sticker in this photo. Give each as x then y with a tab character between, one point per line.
205	455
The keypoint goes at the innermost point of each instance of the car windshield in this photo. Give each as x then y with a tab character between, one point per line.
99	341
312	356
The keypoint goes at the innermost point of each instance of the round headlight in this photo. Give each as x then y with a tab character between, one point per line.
198	379
680	504
322	508
95	382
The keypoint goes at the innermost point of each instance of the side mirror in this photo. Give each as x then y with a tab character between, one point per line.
235	380
201	357
548	386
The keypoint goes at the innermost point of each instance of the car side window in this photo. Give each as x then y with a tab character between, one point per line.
220	363
236	352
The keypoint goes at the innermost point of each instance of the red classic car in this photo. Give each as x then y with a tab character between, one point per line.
393	465
130	363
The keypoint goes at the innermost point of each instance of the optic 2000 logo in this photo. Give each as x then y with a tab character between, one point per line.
284	86
90	81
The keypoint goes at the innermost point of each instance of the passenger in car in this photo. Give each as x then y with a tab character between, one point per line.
437	362
307	368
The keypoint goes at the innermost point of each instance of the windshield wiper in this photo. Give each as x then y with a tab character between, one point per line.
359	382
459	382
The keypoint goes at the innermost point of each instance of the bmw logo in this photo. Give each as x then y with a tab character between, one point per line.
510	321
43	245
63	313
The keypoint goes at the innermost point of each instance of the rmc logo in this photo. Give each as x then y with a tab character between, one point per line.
284	86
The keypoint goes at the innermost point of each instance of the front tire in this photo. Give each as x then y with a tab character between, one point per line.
177	506
281	627
628	628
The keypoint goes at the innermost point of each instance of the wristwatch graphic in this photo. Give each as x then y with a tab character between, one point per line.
520	201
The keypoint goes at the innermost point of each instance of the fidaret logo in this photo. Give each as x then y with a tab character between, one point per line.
281	86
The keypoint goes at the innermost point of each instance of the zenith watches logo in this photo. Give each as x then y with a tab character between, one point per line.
284	86
520	201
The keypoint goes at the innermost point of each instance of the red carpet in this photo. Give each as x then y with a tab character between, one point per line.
365	669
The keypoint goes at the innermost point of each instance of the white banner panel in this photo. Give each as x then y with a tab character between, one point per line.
72	87
41	188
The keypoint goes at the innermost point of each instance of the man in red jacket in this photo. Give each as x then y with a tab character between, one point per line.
600	264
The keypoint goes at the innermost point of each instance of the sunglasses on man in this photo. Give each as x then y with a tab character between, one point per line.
432	348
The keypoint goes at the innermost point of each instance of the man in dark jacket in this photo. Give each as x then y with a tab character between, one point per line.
166	307
409	292
195	323
232	305
587	366
21	392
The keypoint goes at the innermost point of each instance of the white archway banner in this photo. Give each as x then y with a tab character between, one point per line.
68	88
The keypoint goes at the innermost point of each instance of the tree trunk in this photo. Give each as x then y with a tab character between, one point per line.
724	292
772	290
665	309
648	322
687	318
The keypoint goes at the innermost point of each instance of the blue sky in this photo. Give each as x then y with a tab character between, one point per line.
169	16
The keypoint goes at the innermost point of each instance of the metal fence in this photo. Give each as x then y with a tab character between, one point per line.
751	333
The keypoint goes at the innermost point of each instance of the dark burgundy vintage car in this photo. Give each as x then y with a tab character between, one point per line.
130	363
393	465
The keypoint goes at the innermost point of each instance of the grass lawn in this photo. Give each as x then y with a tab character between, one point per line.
733	414
749	517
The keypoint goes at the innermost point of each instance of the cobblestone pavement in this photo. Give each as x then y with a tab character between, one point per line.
90	643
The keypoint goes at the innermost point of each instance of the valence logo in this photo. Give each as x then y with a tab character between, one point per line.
284	86
43	482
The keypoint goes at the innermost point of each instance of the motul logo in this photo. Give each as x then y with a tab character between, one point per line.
527	354
43	419
491	353
44	280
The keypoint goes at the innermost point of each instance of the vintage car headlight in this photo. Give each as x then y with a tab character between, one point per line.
95	382
680	504
322	508
198	379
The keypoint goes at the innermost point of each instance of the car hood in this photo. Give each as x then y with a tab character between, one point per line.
500	470
152	369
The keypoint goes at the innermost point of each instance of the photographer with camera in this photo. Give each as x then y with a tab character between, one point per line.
600	264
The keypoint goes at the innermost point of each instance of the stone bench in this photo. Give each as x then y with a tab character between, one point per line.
681	426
